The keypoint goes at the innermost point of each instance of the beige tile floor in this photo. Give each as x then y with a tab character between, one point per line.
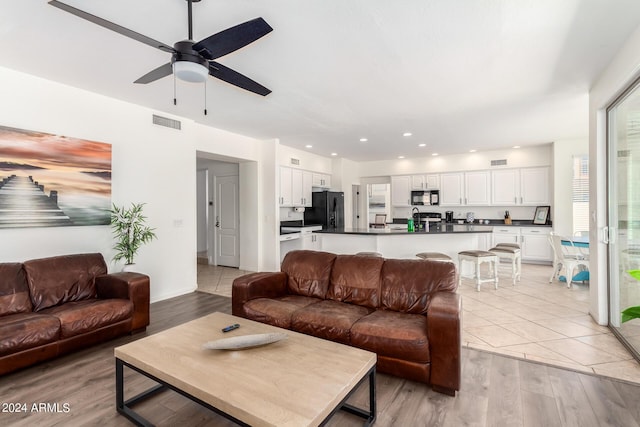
534	320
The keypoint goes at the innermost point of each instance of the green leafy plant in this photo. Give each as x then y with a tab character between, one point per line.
632	312
130	231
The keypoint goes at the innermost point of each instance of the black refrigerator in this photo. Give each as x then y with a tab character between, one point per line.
328	209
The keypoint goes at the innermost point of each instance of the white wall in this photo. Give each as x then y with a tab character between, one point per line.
562	207
308	160
521	157
620	73
150	164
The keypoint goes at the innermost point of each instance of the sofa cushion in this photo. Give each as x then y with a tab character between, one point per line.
392	334
14	292
57	280
308	272
85	316
407	284
23	331
328	319
277	311
356	279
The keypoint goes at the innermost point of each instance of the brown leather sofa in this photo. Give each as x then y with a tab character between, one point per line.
52	306
407	311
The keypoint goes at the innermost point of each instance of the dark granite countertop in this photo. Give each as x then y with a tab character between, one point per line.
442	229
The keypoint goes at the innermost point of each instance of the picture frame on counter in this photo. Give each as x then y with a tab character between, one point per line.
541	216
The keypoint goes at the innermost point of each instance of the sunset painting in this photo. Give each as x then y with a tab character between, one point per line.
51	180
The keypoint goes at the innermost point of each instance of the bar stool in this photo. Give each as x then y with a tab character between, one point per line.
435	256
510	251
478	257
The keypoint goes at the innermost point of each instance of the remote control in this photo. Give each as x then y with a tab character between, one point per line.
230	327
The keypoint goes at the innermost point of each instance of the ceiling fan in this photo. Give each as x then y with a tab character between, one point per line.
193	61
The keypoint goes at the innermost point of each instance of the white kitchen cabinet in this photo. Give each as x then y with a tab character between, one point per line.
506	235
425	182
535	244
452	189
401	190
295	187
520	187
477	188
310	241
465	188
307	188
286	191
321	180
533	241
505	187
534	186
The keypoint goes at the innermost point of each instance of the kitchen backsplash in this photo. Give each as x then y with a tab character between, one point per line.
480	212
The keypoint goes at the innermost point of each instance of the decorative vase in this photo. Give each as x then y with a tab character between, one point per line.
129	267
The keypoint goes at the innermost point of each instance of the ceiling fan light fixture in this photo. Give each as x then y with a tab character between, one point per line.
190	71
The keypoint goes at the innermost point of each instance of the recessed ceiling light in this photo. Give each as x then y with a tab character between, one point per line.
334	154
363	139
308	146
516	146
422	145
472	151
407	134
434	154
401	157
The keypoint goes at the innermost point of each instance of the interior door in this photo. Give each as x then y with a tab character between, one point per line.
226	221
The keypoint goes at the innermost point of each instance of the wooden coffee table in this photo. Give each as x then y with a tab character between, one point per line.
299	381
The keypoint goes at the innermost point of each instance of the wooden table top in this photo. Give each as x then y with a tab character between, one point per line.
294	382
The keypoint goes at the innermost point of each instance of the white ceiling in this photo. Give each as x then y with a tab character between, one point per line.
458	74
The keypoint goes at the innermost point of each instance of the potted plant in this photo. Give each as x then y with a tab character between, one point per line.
632	312
130	231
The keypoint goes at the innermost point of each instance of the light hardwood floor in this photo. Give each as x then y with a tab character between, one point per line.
496	391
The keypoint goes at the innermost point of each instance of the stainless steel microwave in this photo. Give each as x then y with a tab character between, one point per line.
425	197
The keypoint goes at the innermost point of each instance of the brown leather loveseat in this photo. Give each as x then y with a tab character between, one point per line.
407	311
52	306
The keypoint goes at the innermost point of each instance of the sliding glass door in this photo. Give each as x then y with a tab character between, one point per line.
623	122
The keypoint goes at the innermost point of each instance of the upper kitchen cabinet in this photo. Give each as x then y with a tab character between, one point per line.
452	189
286	190
526	187
401	190
321	180
534	186
465	188
295	187
425	182
477	188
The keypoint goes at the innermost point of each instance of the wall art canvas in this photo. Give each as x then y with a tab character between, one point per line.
51	180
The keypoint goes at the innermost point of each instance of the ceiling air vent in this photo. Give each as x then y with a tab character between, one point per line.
166	122
295	161
501	162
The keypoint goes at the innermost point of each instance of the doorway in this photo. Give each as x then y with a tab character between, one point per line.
623	164
218	212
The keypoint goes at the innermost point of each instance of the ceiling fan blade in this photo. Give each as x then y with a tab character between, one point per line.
158	73
228	75
232	39
111	26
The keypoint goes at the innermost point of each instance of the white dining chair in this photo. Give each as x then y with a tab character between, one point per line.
566	257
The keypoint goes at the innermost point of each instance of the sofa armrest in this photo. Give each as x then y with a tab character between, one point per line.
131	286
256	285
444	333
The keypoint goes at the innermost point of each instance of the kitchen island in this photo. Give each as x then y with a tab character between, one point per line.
446	238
